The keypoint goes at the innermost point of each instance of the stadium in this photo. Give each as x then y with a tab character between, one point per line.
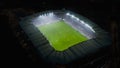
62	36
36	33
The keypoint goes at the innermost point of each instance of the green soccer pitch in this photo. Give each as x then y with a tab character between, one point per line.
61	36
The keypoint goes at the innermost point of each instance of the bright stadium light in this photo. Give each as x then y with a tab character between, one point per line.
77	19
72	16
89	27
68	14
51	14
45	19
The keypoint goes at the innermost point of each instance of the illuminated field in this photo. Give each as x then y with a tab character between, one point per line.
61	35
